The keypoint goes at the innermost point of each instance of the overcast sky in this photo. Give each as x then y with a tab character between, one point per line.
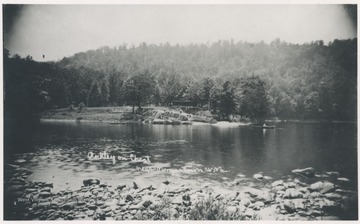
62	30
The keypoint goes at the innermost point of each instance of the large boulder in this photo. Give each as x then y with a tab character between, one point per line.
322	187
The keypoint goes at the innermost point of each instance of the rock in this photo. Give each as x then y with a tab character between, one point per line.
322	186
231	209
136	207
245	202
121	203
343	179
99	203
44	205
348	192
87	194
253	192
120	187
258	205
51	185
30	190
48	189
308	172
316	213
268	178
258	176
268	213
327	189
299	203
186	197
89	182
135	186
147	203
302	213
92	206
332	196
315	194
277	183
292	193
249	213
186	203
279	188
177	200
107	210
19	161
265	197
291	185
81	202
289	206
303	190
70	217
333	174
129	198
45	194
68	206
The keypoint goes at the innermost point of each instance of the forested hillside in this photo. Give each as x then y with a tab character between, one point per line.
255	80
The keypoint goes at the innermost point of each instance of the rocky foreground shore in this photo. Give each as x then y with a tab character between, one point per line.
297	197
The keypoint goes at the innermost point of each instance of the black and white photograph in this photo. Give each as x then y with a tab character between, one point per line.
180	111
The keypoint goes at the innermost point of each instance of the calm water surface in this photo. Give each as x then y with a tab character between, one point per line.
61	148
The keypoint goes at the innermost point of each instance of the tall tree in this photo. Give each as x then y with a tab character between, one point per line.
94	95
254	102
140	89
104	90
227	101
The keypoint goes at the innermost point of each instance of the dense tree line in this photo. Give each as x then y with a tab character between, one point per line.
253	80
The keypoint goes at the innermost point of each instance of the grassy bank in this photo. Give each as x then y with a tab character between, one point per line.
125	114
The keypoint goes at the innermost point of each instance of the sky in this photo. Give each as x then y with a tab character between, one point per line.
58	31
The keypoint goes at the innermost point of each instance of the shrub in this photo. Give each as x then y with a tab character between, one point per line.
81	106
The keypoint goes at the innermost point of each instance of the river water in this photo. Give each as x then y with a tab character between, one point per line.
60	152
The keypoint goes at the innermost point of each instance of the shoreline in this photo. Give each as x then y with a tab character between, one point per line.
116	114
294	197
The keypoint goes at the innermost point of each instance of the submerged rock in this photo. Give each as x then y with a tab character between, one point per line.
343	179
19	161
308	172
89	182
